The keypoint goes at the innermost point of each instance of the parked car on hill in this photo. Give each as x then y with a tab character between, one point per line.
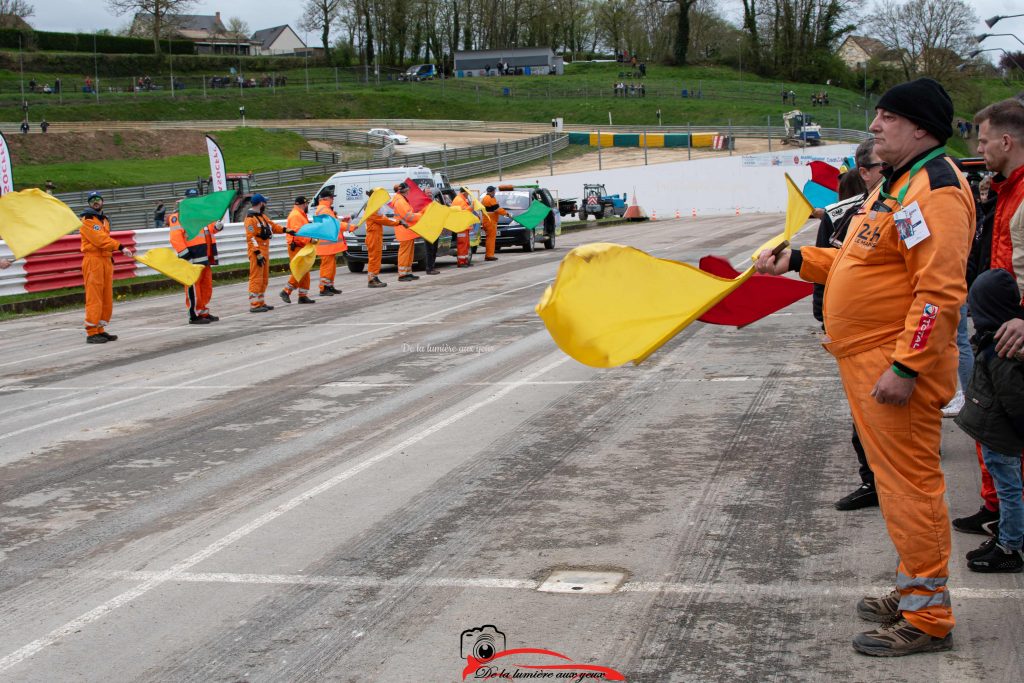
389	135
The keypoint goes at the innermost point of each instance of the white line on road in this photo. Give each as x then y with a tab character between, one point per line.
376	385
180	568
791	589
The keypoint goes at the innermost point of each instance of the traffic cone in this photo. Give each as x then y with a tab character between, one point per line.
654	215
677	213
737	211
634	212
693	212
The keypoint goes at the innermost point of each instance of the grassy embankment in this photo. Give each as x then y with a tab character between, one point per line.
581	96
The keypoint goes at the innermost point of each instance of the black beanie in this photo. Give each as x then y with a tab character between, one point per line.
925	102
994	299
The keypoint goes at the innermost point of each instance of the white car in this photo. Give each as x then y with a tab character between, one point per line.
390	135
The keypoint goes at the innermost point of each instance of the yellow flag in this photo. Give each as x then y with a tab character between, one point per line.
166	261
460	220
378	198
477	204
611	304
432	221
798	210
32	219
302	262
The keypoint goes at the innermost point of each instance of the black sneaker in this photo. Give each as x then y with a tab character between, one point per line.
286	297
199	321
306	300
863	496
333	290
984	521
881	610
110	337
981	549
259	309
326	292
268	307
96	339
433	271
407	278
997	559
211	318
898	639
376	284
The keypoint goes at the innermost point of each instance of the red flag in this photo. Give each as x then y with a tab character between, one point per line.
418	199
825	175
759	296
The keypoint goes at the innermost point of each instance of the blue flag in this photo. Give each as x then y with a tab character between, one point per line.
324	228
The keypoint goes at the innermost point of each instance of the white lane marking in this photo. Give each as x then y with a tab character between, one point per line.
333	342
398	385
792	589
178	569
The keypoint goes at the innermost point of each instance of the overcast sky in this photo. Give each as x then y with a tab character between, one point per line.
90	15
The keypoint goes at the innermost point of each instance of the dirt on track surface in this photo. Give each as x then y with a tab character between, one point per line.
55	148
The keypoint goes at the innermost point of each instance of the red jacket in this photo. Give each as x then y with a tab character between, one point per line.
1008	225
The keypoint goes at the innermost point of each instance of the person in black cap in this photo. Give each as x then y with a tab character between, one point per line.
993	414
296	219
891	308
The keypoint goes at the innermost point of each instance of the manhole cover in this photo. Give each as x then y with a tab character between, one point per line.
582	581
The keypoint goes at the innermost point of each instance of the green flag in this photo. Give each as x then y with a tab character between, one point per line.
532	217
196	213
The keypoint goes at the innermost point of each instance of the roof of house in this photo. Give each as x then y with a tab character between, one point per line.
13	21
267	36
871	46
200	22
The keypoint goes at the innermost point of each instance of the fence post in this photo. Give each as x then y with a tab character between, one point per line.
499	158
600	166
839	113
769	132
689	141
444	157
551	153
729	144
335	78
645	145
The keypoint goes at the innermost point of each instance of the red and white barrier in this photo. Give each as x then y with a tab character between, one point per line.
59	265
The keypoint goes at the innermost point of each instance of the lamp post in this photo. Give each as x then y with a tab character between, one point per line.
974	53
994	20
982	36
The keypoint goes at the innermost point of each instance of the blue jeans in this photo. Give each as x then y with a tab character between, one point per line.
963	342
1006	475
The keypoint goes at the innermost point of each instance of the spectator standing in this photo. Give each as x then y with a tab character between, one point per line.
43	125
159	215
56	85
50	187
994	416
25	127
1001	143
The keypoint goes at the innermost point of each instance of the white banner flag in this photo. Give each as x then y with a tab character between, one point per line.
218	175
6	175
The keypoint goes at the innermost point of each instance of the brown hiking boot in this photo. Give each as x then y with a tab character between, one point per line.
881	610
898	639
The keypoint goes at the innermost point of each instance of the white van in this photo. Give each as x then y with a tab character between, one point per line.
350	187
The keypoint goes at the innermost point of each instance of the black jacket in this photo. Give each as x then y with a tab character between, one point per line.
993	411
831	233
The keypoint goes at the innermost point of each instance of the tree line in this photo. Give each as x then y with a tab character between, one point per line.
793	40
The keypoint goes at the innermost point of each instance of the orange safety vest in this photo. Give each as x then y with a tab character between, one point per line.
404	211
296	219
95	231
201	249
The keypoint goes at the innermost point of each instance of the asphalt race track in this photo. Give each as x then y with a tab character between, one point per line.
336	492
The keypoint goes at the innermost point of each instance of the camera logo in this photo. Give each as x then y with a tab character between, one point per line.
482	643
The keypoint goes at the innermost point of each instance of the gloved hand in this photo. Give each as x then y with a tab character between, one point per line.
218	226
127	252
260	260
289	231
